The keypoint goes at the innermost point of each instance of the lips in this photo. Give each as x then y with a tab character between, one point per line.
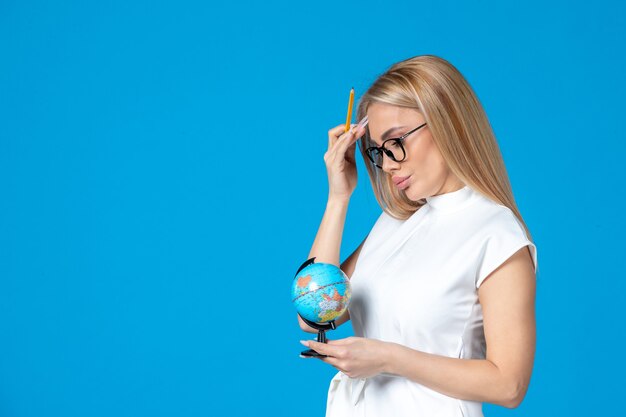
398	180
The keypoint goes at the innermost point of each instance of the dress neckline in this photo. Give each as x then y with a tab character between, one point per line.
450	201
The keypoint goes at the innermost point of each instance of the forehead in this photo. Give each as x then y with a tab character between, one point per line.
382	117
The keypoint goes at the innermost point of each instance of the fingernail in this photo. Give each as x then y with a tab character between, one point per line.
305	342
363	122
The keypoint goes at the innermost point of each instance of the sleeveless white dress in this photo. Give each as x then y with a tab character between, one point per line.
416	283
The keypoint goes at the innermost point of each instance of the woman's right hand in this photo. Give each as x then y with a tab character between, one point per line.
340	161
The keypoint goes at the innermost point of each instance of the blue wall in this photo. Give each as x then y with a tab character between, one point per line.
162	177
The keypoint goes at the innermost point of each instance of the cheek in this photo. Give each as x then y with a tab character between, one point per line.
426	155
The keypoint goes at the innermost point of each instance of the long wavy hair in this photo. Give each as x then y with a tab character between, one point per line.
457	122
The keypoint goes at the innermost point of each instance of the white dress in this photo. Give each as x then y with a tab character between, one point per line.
416	283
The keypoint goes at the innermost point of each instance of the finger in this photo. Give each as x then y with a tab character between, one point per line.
345	138
337	133
338	342
337	150
334	133
359	131
349	140
353	146
333	361
322	348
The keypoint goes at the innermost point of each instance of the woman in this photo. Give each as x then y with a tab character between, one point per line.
443	286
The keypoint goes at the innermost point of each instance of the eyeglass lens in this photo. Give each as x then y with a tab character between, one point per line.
394	147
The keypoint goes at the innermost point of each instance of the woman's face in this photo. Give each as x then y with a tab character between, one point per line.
427	171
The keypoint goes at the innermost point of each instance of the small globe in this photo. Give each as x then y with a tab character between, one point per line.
321	292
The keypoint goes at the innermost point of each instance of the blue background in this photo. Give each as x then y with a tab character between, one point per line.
162	177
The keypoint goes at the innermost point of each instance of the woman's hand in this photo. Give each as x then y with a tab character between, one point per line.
340	162
357	357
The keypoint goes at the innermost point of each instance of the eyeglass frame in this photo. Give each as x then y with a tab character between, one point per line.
387	152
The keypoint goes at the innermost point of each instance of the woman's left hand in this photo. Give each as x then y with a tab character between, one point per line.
357	357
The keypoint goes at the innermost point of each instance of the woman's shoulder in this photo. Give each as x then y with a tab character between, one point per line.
491	213
492	221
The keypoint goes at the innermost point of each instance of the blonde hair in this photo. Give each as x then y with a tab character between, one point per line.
458	125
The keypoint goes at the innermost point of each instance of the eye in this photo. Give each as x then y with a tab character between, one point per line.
395	144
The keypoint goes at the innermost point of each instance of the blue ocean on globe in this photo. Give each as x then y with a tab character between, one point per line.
321	292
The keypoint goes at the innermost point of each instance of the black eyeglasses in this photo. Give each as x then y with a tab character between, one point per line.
395	150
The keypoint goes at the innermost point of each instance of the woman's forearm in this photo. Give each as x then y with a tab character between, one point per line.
465	379
327	243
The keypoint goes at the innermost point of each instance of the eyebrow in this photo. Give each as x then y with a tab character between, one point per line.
388	132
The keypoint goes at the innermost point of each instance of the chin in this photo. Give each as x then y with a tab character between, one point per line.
410	195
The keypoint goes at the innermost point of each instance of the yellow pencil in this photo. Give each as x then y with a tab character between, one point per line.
349	118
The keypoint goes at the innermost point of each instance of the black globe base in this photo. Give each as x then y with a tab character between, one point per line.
310	353
321	336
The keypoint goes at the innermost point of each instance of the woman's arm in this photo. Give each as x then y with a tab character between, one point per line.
508	303
342	179
328	239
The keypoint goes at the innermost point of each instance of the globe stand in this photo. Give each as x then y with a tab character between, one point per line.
321	336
